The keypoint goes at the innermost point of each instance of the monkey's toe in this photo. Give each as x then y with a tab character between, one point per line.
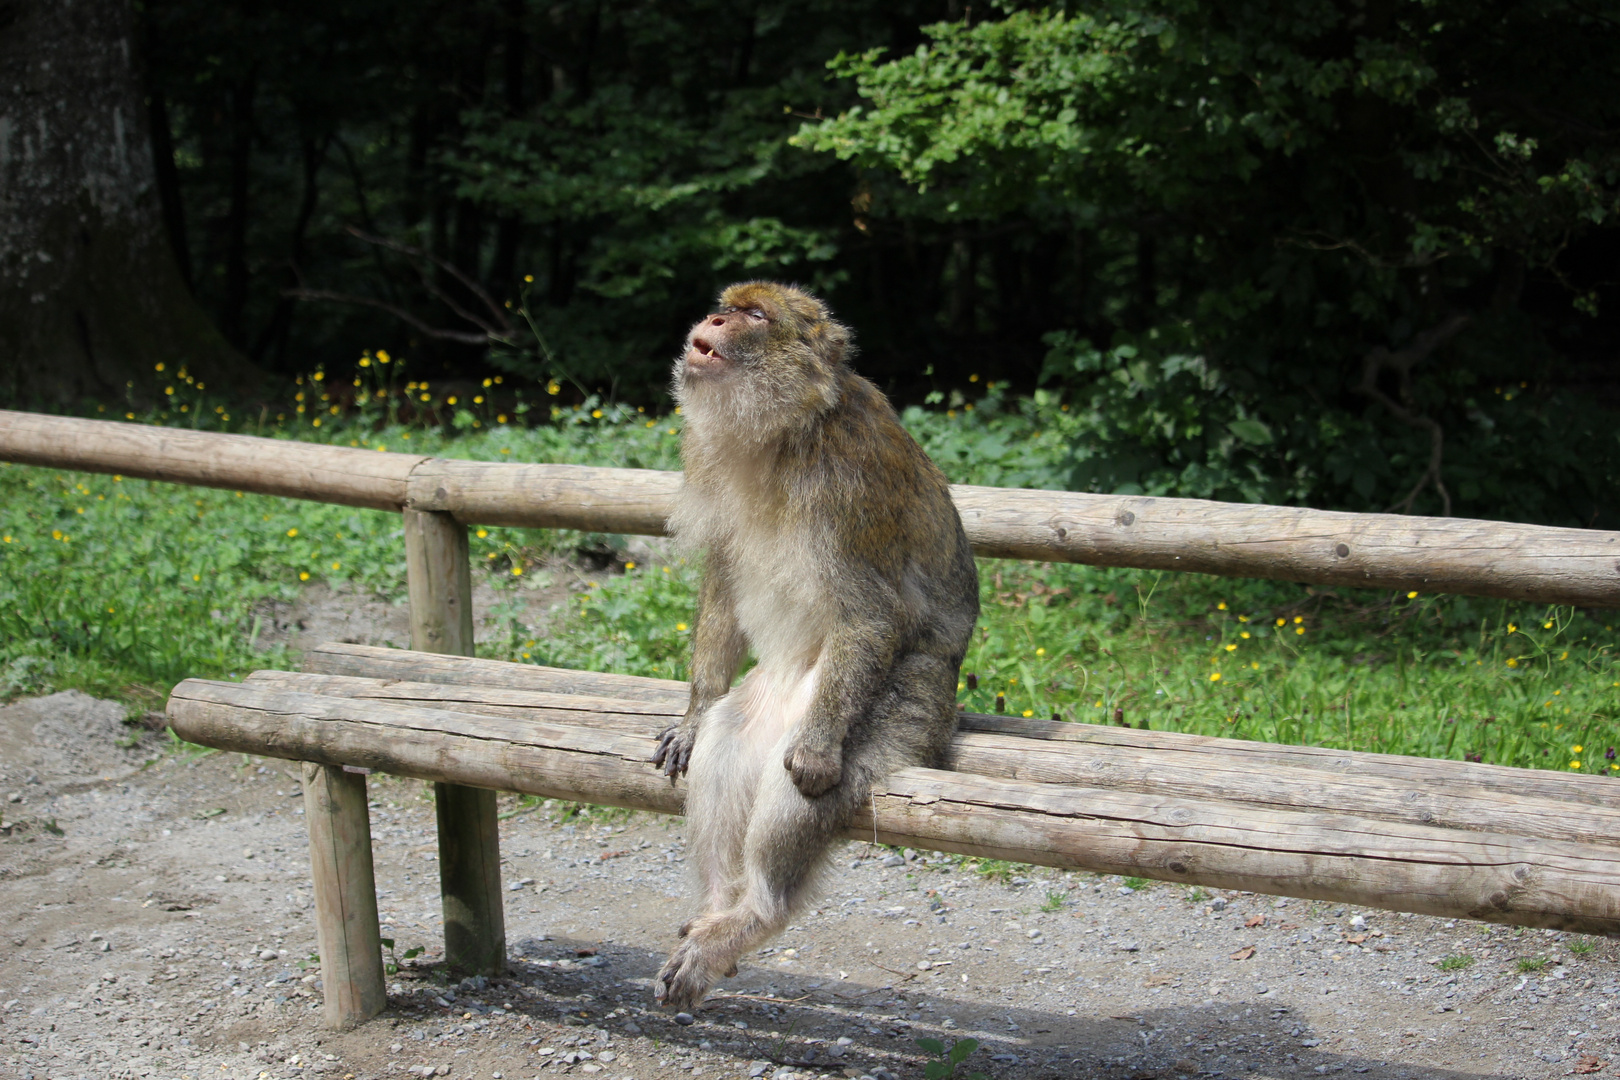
684	980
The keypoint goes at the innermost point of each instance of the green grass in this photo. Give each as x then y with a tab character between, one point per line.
124	587
1529	965
1456	963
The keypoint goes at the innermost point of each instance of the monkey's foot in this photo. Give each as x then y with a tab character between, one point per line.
687	975
815	771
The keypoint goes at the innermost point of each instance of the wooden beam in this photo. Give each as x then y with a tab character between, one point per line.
286	467
345	895
1424	791
1454	555
1492	876
1184	751
440	584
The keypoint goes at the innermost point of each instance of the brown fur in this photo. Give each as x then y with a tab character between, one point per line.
834	553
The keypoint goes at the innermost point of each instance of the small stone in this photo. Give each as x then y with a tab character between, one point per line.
1032	934
685	1019
632	1028
923	965
757	1068
1218	904
15	796
1185	1065
267	954
590	1068
442	1070
890	860
606	1055
396	1048
1125	890
1358	923
1130	946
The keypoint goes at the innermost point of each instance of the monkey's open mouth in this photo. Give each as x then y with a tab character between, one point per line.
702	355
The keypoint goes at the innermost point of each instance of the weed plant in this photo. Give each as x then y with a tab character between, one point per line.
123	587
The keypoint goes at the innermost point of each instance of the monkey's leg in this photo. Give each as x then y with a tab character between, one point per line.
719	798
786	842
789	833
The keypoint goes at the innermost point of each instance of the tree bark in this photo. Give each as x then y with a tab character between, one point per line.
91	297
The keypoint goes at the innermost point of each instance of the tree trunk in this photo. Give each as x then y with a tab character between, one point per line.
91	297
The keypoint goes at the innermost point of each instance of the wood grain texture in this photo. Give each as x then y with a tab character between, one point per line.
439	580
1423	791
547	496
297	470
1321	547
345	895
1454	555
1182	752
470	879
1494	876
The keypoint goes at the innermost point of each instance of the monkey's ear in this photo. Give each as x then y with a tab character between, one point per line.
832	342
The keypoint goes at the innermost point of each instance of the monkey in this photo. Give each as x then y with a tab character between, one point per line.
833	552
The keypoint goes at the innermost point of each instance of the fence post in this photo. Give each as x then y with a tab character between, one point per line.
440	583
345	895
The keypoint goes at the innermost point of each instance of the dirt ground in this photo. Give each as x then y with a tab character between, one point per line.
157	923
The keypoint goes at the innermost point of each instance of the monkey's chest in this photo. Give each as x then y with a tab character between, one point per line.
781	603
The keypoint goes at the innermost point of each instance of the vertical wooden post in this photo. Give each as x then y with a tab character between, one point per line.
345	895
440	583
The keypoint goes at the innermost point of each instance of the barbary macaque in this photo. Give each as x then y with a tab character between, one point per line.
834	553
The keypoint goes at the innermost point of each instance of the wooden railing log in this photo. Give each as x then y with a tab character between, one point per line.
295	470
1443	794
1406	867
1480	558
1414	773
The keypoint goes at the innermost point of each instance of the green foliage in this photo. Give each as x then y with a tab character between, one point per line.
1456	962
1054	901
1582	946
947	1059
1322	184
395	960
1529	965
1196	224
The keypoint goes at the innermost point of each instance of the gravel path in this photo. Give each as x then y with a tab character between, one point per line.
157	924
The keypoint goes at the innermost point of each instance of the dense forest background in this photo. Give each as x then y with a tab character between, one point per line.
1357	255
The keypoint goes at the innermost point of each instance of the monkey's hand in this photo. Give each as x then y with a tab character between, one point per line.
674	751
815	769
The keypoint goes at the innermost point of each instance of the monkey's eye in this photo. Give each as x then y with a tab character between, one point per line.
755	313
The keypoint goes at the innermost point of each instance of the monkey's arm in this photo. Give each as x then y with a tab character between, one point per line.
855	657
718	647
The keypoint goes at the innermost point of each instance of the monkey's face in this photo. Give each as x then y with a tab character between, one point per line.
767	356
730	338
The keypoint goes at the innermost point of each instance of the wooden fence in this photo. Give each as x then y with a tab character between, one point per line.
439	498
